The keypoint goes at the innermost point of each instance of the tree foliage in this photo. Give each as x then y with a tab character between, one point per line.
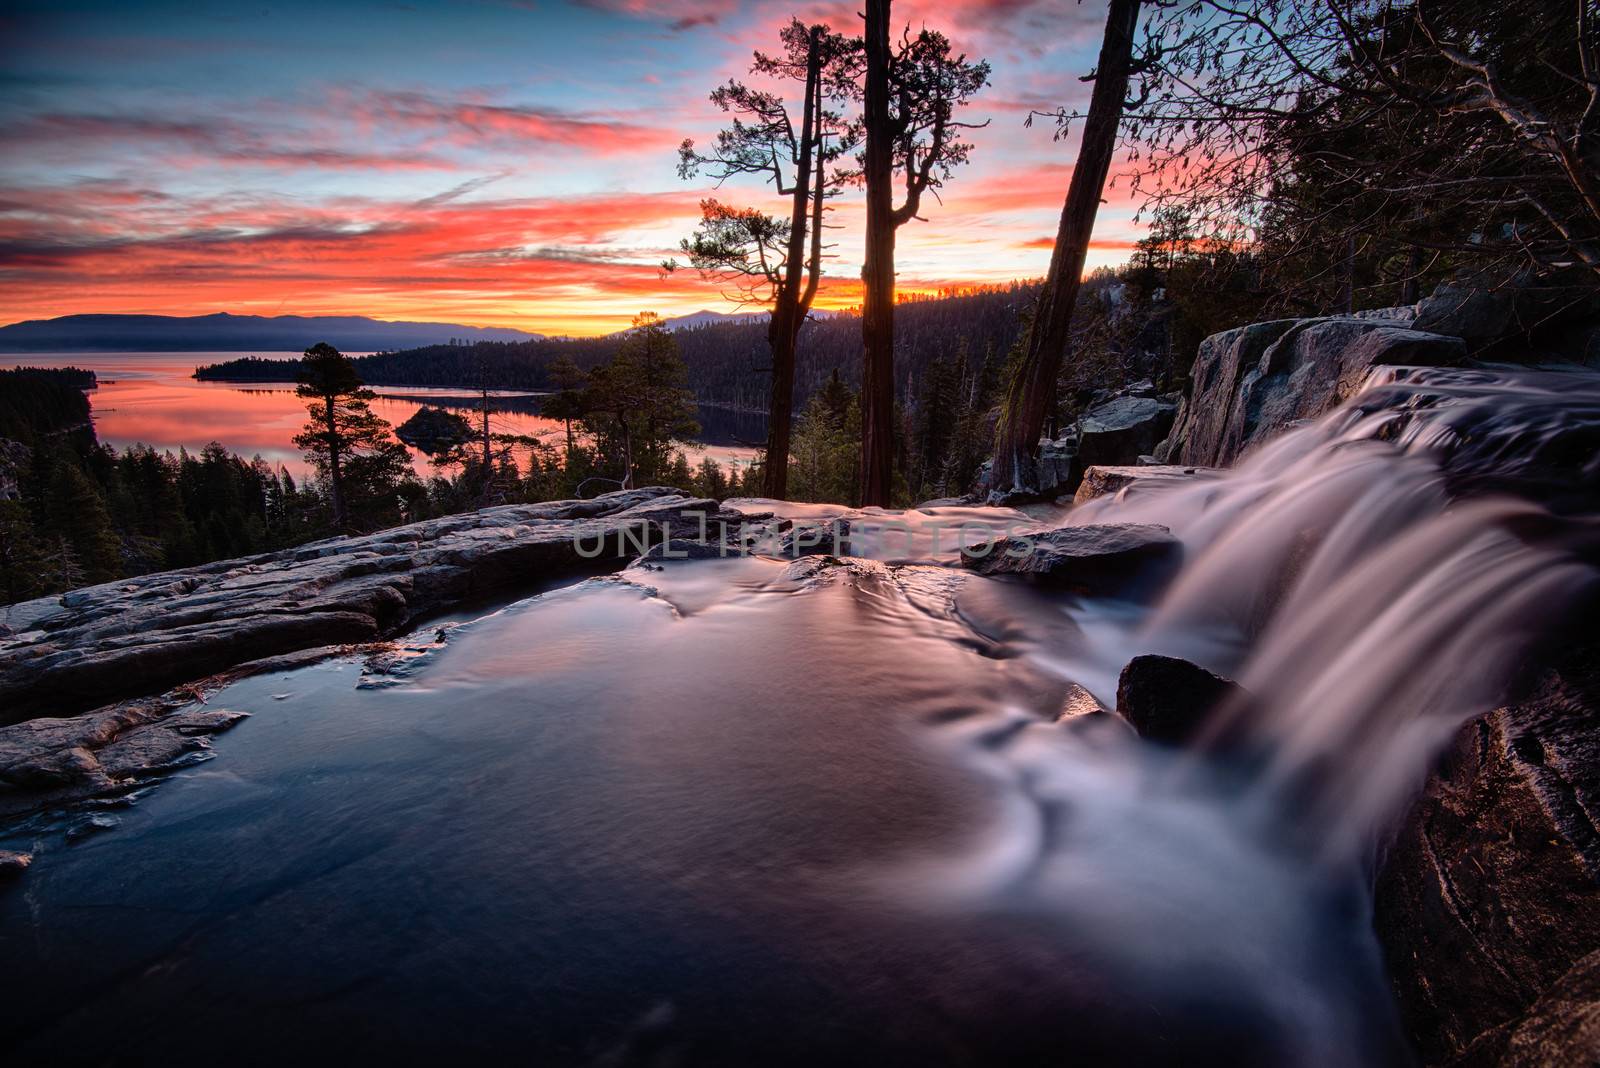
350	447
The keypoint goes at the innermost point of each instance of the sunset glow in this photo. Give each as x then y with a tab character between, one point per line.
492	163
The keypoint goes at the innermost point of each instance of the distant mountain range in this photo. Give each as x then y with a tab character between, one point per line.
236	333
706	318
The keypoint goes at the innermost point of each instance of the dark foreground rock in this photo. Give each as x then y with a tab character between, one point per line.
1092	559
1168	699
1488	899
139	636
13	864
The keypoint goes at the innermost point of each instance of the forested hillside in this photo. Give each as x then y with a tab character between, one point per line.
726	361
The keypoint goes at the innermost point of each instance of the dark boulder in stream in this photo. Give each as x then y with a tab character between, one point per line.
1168	699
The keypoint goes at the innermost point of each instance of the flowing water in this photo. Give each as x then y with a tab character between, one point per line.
766	811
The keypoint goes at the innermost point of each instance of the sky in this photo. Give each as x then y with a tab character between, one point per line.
488	162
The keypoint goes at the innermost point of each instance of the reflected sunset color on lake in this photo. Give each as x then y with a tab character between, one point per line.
150	398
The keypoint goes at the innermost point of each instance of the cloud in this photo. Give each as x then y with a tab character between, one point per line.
445	252
679	15
466	122
56	135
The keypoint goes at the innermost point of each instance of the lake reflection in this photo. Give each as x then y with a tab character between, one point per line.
150	398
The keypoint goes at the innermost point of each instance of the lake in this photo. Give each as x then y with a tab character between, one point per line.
150	398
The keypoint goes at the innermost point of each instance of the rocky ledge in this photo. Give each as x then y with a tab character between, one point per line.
63	655
1488	897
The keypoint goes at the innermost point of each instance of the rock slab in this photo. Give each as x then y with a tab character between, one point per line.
142	635
1093	559
1105	480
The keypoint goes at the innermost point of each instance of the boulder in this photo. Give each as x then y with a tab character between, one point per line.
1122	429
1058	466
1092	559
1167	699
1487	900
1478	315
1251	383
1523	317
1219	366
1105	480
13	864
141	635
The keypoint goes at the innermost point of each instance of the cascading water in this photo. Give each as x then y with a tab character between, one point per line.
765	811
1368	609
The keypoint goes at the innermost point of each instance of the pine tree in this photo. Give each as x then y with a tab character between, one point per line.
680	475
824	465
710	480
637	405
351	447
567	402
76	515
22	570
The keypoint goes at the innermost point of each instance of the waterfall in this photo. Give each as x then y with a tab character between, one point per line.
1375	579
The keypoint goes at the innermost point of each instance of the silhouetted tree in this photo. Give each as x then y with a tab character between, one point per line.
827	445
637	405
76	515
566	402
775	260
911	91
349	445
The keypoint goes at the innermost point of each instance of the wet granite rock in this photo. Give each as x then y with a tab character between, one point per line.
1168	699
1487	900
1251	383
1104	480
13	864
1079	702
1092	559
138	636
831	538
54	761
690	549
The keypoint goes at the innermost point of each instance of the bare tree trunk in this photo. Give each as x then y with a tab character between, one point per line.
1031	393
787	312
781	337
1411	289
627	450
877	272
